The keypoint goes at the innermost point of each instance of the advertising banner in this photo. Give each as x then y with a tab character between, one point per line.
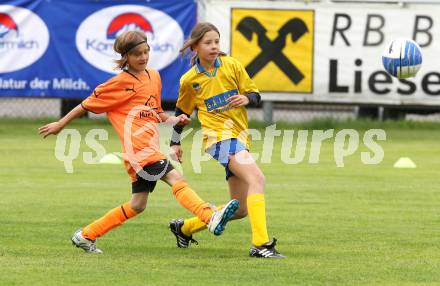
330	53
64	48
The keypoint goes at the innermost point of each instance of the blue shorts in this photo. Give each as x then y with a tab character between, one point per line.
223	149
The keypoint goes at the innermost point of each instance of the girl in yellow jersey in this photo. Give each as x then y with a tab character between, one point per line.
219	88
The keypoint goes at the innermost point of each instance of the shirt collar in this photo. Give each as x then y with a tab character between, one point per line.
201	69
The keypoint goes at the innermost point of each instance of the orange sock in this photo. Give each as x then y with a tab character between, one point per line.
110	220
191	201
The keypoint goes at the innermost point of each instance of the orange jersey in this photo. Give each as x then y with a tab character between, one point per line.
132	105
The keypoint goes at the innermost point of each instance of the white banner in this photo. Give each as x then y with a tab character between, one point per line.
329	52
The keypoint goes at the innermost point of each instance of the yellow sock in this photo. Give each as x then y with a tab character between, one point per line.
192	225
257	217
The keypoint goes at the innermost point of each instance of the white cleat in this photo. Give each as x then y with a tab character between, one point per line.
87	245
220	218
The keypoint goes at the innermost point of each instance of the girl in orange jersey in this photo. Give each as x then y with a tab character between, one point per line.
219	88
131	100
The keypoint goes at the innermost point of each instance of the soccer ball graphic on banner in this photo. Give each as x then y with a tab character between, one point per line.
402	58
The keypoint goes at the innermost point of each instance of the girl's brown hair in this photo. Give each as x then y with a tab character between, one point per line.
124	43
197	34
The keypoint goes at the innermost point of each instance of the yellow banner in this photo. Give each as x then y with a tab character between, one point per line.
276	47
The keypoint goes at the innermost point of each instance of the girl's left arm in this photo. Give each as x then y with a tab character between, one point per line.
248	91
252	98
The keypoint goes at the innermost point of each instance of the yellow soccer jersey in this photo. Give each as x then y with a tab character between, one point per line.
208	92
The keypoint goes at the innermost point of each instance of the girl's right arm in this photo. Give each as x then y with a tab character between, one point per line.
57	126
176	153
176	148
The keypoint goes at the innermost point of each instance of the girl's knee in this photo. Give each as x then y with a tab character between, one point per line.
173	177
138	207
261	178
258	179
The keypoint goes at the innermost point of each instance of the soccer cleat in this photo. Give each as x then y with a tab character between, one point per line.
267	250
220	218
182	240
87	245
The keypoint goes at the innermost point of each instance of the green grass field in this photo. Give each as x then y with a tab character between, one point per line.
356	225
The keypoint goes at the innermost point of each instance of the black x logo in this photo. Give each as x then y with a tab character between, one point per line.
272	50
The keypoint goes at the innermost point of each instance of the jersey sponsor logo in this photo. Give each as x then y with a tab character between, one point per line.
219	102
152	108
275	44
97	33
24	37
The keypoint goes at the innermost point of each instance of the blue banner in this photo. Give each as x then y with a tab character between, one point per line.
64	48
